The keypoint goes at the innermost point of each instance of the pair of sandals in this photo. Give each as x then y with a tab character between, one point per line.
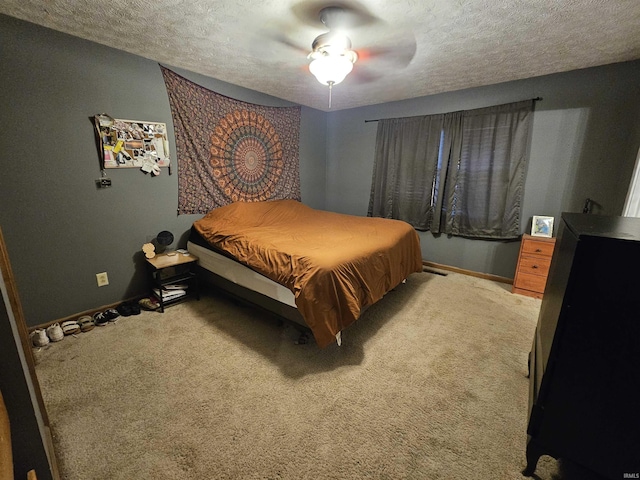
70	327
86	323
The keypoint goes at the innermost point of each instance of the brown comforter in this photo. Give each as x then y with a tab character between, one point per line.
334	264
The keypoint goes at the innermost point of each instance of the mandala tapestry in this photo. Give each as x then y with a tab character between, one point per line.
231	151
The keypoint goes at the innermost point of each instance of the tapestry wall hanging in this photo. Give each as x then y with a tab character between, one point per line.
231	151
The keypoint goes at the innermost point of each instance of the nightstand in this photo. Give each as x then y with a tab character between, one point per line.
174	278
533	265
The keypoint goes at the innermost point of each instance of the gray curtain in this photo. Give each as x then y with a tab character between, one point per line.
486	171
461	173
405	163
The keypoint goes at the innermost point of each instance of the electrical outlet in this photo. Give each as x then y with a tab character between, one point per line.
102	279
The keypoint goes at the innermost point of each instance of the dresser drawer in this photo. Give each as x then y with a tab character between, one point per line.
535	265
528	281
537	247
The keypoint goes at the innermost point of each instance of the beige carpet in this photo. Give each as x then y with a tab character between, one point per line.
429	384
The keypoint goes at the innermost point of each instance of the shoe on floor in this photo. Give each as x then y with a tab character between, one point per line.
111	314
149	304
39	337
100	319
55	333
86	323
70	327
135	308
124	309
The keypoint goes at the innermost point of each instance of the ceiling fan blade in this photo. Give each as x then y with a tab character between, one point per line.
383	49
394	56
278	42
361	74
282	39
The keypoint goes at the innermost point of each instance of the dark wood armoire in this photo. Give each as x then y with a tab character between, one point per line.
584	401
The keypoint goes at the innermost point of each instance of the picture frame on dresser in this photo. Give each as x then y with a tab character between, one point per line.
542	226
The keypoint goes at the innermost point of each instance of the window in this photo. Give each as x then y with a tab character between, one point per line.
471	171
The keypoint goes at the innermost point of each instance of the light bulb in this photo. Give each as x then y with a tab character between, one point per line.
331	69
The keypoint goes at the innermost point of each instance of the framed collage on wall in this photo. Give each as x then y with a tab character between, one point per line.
133	143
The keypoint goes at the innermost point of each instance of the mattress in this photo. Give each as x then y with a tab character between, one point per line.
334	265
240	274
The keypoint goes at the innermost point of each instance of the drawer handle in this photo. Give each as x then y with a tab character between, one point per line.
534	266
538	250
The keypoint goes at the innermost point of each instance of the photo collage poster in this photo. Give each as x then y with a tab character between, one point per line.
132	143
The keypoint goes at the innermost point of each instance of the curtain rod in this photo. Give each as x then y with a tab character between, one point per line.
537	99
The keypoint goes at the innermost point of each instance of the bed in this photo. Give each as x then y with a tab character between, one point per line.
319	268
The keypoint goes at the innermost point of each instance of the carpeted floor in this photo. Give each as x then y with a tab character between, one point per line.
429	384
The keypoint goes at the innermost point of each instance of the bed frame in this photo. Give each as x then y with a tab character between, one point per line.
246	285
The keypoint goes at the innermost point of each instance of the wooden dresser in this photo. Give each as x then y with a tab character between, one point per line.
533	265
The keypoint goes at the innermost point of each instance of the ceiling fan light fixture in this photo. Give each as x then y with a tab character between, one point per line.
331	69
331	57
333	43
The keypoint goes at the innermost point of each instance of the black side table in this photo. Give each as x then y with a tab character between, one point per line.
174	272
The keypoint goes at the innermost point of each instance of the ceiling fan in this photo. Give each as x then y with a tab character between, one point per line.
331	57
379	48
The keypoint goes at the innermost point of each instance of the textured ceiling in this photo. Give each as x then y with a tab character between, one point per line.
408	48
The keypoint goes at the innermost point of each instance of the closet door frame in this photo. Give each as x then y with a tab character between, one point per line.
15	311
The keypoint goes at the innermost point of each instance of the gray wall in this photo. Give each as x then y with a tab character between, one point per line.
585	140
59	229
